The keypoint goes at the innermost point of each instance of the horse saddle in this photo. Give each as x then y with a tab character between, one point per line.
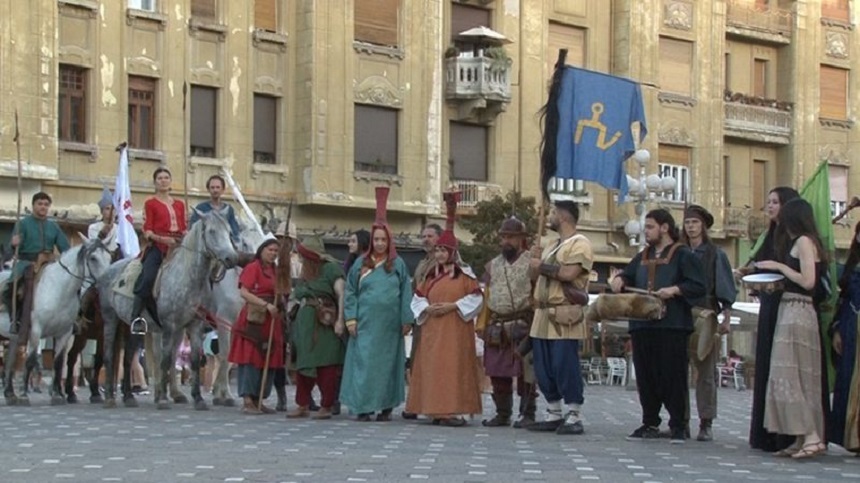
124	284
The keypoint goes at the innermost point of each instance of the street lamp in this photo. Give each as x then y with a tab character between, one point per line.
640	191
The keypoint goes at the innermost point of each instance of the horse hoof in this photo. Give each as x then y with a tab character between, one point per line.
109	403
58	401
23	401
201	406
97	399
72	399
217	401
130	402
180	399
162	405
229	402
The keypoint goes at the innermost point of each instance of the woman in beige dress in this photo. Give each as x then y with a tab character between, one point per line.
793	402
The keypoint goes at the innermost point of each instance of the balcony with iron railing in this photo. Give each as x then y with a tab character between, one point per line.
748	18
757	119
758	224
736	221
474	192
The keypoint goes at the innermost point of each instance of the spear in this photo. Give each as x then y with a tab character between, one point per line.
17	140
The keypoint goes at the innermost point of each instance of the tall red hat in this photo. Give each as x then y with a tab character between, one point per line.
447	238
381	220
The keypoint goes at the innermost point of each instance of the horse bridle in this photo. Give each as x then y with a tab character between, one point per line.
87	277
207	251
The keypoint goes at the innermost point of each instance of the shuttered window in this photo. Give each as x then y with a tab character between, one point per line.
203	9
464	17
376	21
468	152
203	121
676	65
141	112
836	9
834	93
565	37
266	15
72	104
265	129
760	78
375	139
759	182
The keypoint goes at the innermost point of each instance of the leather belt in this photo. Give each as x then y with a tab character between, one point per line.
521	315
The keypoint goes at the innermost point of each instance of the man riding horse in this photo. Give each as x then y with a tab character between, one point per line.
35	237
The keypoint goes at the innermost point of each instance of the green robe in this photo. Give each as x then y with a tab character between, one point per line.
37	236
374	369
315	344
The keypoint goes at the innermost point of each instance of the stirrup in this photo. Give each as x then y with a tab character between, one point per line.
138	326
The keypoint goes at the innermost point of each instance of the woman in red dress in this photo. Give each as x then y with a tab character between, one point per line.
252	329
164	225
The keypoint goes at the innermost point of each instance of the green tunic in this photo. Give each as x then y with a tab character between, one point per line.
315	344
37	236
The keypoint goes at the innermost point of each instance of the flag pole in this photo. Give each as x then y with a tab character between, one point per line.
548	161
185	143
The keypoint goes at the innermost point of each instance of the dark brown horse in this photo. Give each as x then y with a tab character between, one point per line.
92	329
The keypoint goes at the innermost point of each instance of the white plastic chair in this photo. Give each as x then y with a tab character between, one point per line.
617	371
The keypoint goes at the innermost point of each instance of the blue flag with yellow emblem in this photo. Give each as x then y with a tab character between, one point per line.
594	139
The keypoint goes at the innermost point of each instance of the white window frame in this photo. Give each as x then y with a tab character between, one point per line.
145	5
682	180
837	207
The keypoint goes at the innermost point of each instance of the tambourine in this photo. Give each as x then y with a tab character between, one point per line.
626	306
764	282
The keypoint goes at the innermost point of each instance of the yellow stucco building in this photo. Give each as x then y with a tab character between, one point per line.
320	101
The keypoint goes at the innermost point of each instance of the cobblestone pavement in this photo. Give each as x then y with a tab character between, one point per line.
86	443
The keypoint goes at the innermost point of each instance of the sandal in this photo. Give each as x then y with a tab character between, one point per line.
787	452
453	422
810	450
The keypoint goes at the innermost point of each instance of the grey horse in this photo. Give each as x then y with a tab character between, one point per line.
56	300
226	305
184	285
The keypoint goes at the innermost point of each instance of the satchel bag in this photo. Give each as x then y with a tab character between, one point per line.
569	317
704	333
256	313
494	335
326	311
516	330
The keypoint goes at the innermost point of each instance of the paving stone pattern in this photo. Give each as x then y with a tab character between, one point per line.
85	443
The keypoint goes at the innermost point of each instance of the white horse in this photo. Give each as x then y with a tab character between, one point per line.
226	304
56	300
184	286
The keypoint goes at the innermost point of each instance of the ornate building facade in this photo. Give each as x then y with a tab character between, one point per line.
319	102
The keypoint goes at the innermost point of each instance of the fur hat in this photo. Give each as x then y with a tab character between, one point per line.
447	238
696	211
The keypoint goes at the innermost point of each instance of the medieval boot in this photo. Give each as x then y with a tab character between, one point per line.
282	399
705	432
504	409
528	408
138	323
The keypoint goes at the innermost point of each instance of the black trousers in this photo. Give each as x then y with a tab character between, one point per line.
661	364
149	271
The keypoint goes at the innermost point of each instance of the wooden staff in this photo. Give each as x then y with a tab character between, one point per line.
855	202
266	363
17	226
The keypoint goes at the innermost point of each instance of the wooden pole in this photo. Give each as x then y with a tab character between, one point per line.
266	364
17	224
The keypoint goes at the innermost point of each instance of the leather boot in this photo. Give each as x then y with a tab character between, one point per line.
504	410
528	408
25	310
282	399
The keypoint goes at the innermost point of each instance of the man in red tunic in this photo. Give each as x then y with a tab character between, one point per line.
164	225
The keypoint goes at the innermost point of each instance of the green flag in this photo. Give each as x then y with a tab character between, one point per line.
816	191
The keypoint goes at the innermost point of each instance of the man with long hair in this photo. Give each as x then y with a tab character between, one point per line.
670	271
720	294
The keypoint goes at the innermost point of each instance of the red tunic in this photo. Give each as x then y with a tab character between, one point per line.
159	218
260	281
